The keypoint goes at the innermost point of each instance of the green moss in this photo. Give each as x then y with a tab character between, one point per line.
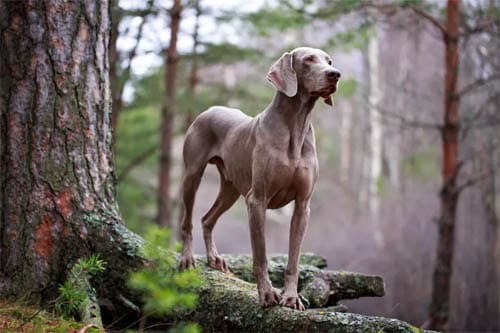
15	317
415	329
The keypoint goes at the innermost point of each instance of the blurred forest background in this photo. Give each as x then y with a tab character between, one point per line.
378	202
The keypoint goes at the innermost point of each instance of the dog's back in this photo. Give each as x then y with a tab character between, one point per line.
208	131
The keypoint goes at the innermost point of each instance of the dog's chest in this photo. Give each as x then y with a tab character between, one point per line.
290	180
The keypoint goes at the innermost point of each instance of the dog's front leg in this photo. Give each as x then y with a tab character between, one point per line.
256	213
298	227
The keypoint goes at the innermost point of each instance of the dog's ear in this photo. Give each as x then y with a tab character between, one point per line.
283	76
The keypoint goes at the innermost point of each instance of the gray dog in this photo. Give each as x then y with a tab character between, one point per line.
270	160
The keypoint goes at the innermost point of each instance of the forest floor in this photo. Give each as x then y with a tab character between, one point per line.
19	318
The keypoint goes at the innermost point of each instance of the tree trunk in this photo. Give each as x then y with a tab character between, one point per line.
57	196
440	306
114	63
193	79
168	109
375	143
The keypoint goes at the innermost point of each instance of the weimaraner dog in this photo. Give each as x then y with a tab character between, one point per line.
270	160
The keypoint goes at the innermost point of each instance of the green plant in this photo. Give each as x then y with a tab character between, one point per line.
92	265
69	300
165	290
73	292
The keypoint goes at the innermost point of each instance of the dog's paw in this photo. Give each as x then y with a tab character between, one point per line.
269	298
187	262
218	263
292	301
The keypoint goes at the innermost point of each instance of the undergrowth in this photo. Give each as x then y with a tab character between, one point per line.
19	318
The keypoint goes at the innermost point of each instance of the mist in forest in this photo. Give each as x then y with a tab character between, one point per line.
377	205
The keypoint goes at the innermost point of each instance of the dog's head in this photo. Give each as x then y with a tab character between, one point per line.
307	70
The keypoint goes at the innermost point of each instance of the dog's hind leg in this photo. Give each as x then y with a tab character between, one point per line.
190	185
195	163
227	196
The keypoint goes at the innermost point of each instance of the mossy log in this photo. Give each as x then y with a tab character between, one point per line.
227	303
306	258
319	287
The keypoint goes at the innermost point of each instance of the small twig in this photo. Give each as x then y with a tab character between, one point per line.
86	327
405	121
472	122
473	181
157	325
477	84
135	162
480	27
28	320
128	303
133	52
418	11
430	19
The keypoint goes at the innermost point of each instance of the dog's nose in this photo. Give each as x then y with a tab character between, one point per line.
332	73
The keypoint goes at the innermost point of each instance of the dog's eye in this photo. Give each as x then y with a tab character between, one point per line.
311	59
329	62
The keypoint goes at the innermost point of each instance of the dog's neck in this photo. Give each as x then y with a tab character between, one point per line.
295	114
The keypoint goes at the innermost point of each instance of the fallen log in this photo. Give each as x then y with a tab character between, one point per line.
227	303
319	287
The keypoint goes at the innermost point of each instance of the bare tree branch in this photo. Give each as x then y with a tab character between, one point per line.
480	27
405	121
473	181
478	83
391	8
133	52
434	21
472	121
136	161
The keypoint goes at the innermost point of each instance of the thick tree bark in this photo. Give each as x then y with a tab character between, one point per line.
168	109
114	63
57	196
440	306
